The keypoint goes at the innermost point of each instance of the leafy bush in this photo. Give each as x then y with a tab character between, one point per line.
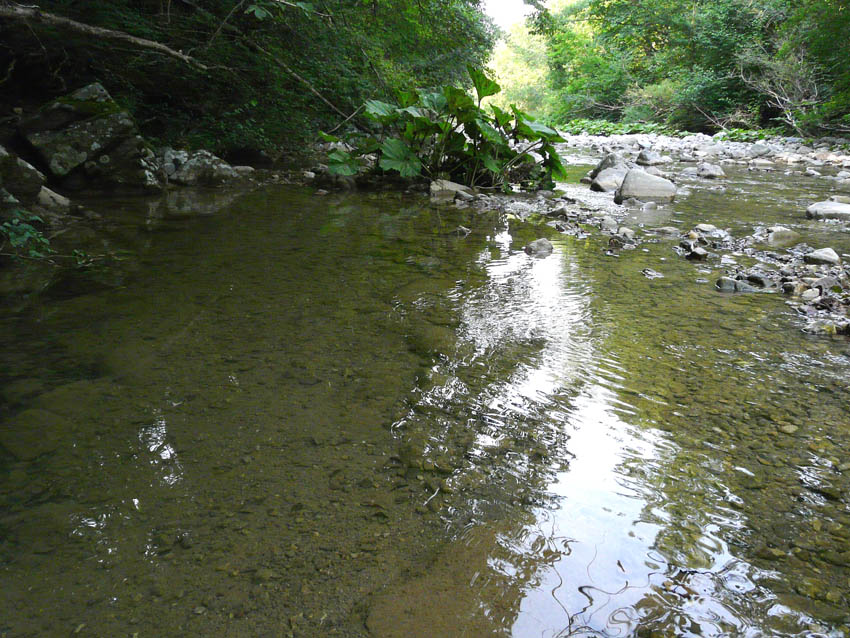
445	133
606	127
749	135
24	238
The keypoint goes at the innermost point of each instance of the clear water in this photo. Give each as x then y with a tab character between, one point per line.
313	416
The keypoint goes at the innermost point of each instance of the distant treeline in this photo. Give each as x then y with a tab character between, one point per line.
699	64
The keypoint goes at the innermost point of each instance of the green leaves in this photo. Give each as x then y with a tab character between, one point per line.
342	163
484	86
381	111
396	155
445	133
23	236
258	12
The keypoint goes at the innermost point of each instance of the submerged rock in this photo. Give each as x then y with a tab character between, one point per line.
780	237
540	247
32	433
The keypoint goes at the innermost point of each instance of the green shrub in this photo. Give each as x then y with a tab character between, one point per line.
445	133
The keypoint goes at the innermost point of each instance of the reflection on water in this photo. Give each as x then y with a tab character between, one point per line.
307	416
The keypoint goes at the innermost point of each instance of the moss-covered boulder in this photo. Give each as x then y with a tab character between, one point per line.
86	140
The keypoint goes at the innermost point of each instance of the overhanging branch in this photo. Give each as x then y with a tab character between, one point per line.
34	14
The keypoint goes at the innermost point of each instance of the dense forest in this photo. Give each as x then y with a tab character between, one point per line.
690	64
250	75
229	75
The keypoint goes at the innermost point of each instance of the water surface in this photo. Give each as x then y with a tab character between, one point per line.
337	416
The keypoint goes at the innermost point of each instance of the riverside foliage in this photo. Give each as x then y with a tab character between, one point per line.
270	73
447	133
699	64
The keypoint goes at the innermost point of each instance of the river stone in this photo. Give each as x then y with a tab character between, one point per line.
626	233
203	167
71	147
640	185
649	158
710	171
608	224
672	231
759	150
725	284
539	247
444	185
697	254
823	256
828	210
609	179
780	237
19	178
611	160
32	433
86	136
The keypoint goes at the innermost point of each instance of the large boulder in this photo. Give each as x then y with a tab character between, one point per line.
825	256
86	139
611	160
710	171
645	187
201	168
649	158
609	179
781	237
828	210
540	247
19	178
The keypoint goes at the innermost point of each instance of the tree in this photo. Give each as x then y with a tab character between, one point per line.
258	74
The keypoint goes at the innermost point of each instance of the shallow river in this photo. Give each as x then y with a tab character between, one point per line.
316	416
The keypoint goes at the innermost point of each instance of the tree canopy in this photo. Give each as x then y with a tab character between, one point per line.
700	63
264	73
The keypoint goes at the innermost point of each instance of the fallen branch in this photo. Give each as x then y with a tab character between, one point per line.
18	12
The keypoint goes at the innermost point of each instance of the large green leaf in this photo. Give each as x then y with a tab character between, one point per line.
488	132
454	142
407	98
484	86
433	100
528	128
552	161
491	164
502	118
415	111
381	111
459	102
342	163
396	155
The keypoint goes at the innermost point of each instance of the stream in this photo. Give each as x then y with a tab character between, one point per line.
336	416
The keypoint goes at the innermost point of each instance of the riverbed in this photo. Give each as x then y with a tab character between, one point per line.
363	415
